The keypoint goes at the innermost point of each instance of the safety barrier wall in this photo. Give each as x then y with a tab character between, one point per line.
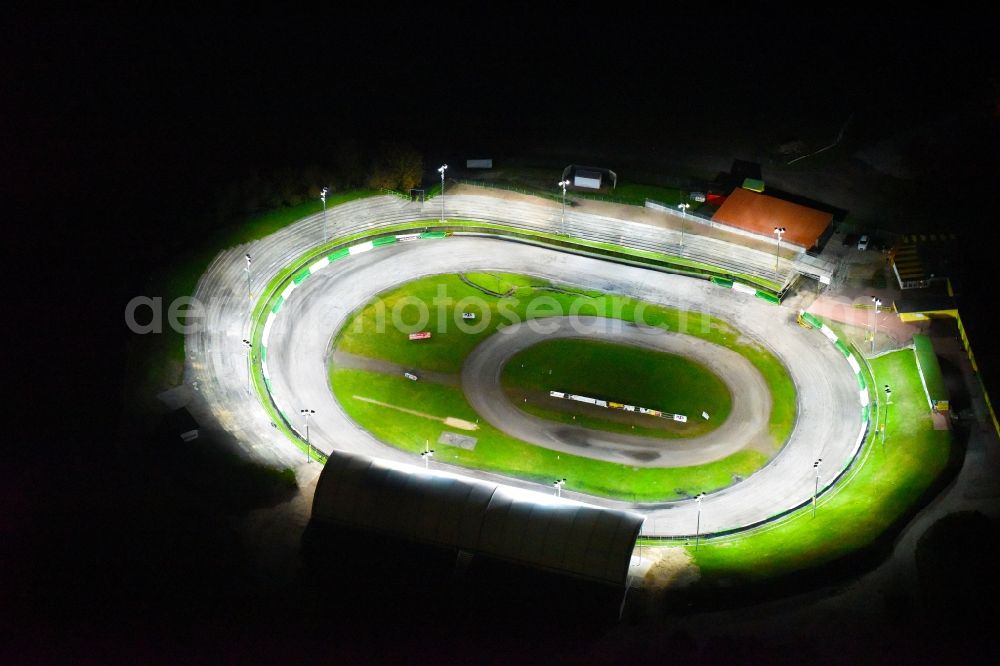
863	394
746	289
866	406
301	276
275	302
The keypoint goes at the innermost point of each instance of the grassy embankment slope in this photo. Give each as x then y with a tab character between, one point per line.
880	489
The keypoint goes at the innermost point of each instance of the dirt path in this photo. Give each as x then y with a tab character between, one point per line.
351	361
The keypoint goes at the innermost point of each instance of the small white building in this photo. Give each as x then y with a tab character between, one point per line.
479	164
588	179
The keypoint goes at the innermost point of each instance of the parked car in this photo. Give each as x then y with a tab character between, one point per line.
863	243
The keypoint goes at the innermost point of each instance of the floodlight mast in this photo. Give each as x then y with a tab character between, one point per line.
563	184
558	484
441	170
683	208
307	413
249	346
816	466
322	197
427	455
885	422
247	269
697	528
877	303
779	232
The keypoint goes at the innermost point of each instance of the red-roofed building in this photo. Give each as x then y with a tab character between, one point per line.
760	214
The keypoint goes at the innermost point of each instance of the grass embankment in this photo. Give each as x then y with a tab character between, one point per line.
882	486
637	193
537	182
159	361
623	374
450	345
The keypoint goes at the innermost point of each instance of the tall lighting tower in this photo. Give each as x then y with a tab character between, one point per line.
247	269
877	301
307	413
697	528
441	170
322	197
683	208
779	232
563	184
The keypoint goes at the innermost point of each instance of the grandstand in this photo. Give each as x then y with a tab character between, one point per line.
760	213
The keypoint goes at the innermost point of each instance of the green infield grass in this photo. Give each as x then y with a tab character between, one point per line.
882	486
371	333
619	373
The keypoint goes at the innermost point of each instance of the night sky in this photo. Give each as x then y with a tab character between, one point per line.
119	131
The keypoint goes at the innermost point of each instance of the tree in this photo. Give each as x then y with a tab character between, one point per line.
397	166
409	167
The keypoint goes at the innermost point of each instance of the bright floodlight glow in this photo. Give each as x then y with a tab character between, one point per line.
442	168
515	493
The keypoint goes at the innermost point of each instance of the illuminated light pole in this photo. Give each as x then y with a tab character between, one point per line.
559	483
683	208
563	184
885	422
307	413
427	455
322	197
877	303
247	269
779	232
441	170
697	526
816	466
249	346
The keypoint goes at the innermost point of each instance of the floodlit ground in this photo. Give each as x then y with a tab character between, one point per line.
384	402
300	343
630	375
879	491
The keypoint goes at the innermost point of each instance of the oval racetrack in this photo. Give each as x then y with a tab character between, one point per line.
746	423
829	415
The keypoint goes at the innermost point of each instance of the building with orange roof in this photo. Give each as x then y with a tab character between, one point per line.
760	214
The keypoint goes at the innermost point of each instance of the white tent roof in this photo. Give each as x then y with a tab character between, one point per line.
499	521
